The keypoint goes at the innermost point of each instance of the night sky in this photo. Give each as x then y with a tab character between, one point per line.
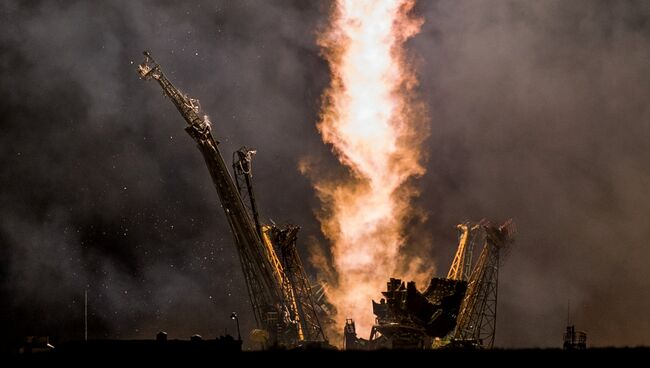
539	110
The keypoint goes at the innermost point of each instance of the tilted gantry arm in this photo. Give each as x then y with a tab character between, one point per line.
269	288
187	106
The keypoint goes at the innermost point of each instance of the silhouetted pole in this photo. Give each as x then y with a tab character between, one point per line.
86	315
236	318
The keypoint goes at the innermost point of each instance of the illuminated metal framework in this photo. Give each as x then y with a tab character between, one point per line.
462	264
284	241
476	321
459	310
308	308
278	289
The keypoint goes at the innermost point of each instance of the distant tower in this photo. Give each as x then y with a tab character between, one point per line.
574	340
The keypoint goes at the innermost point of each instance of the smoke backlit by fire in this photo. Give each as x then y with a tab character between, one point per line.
369	116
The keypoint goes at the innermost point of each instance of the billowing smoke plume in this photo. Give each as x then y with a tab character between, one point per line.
375	127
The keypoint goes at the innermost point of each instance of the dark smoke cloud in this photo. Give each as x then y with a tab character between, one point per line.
101	188
539	112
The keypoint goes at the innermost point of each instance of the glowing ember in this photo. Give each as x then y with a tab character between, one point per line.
369	117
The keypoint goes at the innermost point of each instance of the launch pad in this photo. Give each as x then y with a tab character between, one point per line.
459	310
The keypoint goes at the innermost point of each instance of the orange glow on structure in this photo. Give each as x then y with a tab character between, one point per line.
369	116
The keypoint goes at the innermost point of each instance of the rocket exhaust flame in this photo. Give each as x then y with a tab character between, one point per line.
372	120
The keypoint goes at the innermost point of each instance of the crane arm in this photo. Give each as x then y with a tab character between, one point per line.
273	303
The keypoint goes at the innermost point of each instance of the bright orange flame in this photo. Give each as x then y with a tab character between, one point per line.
369	117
